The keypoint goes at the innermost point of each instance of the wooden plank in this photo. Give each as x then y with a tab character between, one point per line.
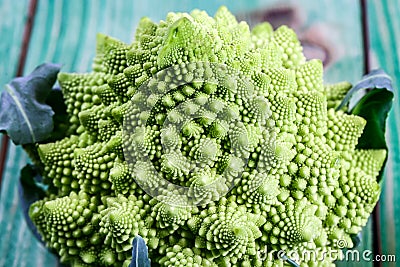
385	38
11	28
13	17
65	33
14	245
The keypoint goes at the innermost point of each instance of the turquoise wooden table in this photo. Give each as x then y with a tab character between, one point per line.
64	31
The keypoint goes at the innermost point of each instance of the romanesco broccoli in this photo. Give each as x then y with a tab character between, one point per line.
216	143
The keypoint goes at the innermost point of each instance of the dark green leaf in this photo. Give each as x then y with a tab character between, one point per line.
30	189
289	261
356	239
61	120
140	256
374	107
24	114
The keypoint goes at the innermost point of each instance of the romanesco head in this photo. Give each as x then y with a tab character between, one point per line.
213	142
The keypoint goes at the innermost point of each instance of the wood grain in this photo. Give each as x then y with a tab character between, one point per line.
12	27
384	24
16	247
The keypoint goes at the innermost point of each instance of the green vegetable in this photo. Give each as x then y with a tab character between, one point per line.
214	143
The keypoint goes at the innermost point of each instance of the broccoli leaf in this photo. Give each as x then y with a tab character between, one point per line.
24	114
289	261
356	239
375	79
140	256
374	107
30	189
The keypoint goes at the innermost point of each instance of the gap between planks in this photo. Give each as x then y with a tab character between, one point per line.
20	69
376	227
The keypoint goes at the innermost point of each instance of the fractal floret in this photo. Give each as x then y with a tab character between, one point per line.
218	144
